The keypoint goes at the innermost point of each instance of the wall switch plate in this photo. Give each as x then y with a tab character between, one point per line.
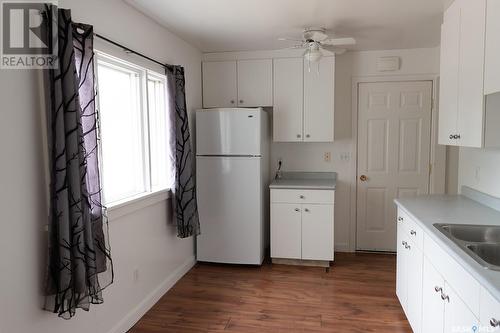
327	156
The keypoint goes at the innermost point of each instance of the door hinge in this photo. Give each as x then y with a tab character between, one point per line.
430	168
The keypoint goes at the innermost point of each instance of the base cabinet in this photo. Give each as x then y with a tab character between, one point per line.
302	224
437	294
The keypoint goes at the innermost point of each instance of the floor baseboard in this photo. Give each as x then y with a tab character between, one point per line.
140	310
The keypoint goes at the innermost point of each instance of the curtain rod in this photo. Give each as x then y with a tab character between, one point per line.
130	50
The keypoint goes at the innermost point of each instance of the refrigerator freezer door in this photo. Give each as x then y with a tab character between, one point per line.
228	132
229	204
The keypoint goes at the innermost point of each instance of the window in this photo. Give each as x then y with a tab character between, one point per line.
134	129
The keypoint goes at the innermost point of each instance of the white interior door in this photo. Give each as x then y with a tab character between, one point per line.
394	132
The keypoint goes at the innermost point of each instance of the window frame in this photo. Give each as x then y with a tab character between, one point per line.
151	194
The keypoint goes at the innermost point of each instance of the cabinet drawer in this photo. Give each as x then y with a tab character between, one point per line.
456	276
413	232
303	196
490	312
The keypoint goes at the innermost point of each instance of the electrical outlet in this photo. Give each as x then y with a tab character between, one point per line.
136	275
477	174
327	156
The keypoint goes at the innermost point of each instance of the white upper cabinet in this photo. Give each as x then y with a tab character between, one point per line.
245	83
288	99
303	100
448	100
219	84
319	91
461	114
255	83
492	58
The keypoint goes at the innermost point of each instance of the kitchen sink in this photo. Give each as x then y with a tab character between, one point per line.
472	233
481	242
488	252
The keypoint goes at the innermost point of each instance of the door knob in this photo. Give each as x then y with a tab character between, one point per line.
363	178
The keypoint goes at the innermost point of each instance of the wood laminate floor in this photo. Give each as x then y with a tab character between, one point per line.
357	295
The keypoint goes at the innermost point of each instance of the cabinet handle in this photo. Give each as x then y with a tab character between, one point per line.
494	322
297	210
438	289
413	232
407	246
308	136
404	243
457	136
232	101
241	101
301	196
445	297
306	210
452	137
400	219
298	135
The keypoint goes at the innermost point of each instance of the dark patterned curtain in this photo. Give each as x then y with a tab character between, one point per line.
184	204
79	263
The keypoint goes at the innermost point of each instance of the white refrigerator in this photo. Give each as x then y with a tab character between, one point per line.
232	174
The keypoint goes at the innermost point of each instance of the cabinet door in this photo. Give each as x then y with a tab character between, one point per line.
414	297
471	73
317	232
489	312
433	309
401	267
319	92
457	316
448	91
288	99
219	84
286	231
255	83
492	52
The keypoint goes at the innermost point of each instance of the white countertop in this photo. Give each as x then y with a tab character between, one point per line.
457	209
305	180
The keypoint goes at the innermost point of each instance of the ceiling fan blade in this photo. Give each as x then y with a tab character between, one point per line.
334	49
290	39
339	41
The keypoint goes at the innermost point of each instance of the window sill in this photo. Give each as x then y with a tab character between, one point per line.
127	206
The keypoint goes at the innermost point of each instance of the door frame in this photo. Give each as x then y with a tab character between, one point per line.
437	152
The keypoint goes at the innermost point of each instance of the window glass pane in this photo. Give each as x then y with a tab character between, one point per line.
158	133
121	132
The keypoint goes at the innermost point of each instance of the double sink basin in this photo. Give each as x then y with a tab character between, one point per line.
481	242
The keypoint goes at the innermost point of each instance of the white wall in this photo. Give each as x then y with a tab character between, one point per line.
143	240
309	156
479	169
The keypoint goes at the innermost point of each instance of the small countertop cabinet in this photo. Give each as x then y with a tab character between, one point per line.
470	71
302	220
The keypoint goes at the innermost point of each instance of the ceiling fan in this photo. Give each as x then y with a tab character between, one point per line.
315	39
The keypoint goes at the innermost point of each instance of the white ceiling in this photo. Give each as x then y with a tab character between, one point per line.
238	25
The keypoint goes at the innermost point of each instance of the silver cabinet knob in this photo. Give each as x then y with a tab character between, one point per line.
241	101
301	196
308	136
458	136
298	135
306	210
232	101
413	232
438	289
445	297
451	137
400	219
494	322
404	243
297	210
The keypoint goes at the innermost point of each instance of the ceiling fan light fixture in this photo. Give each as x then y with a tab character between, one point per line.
313	54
